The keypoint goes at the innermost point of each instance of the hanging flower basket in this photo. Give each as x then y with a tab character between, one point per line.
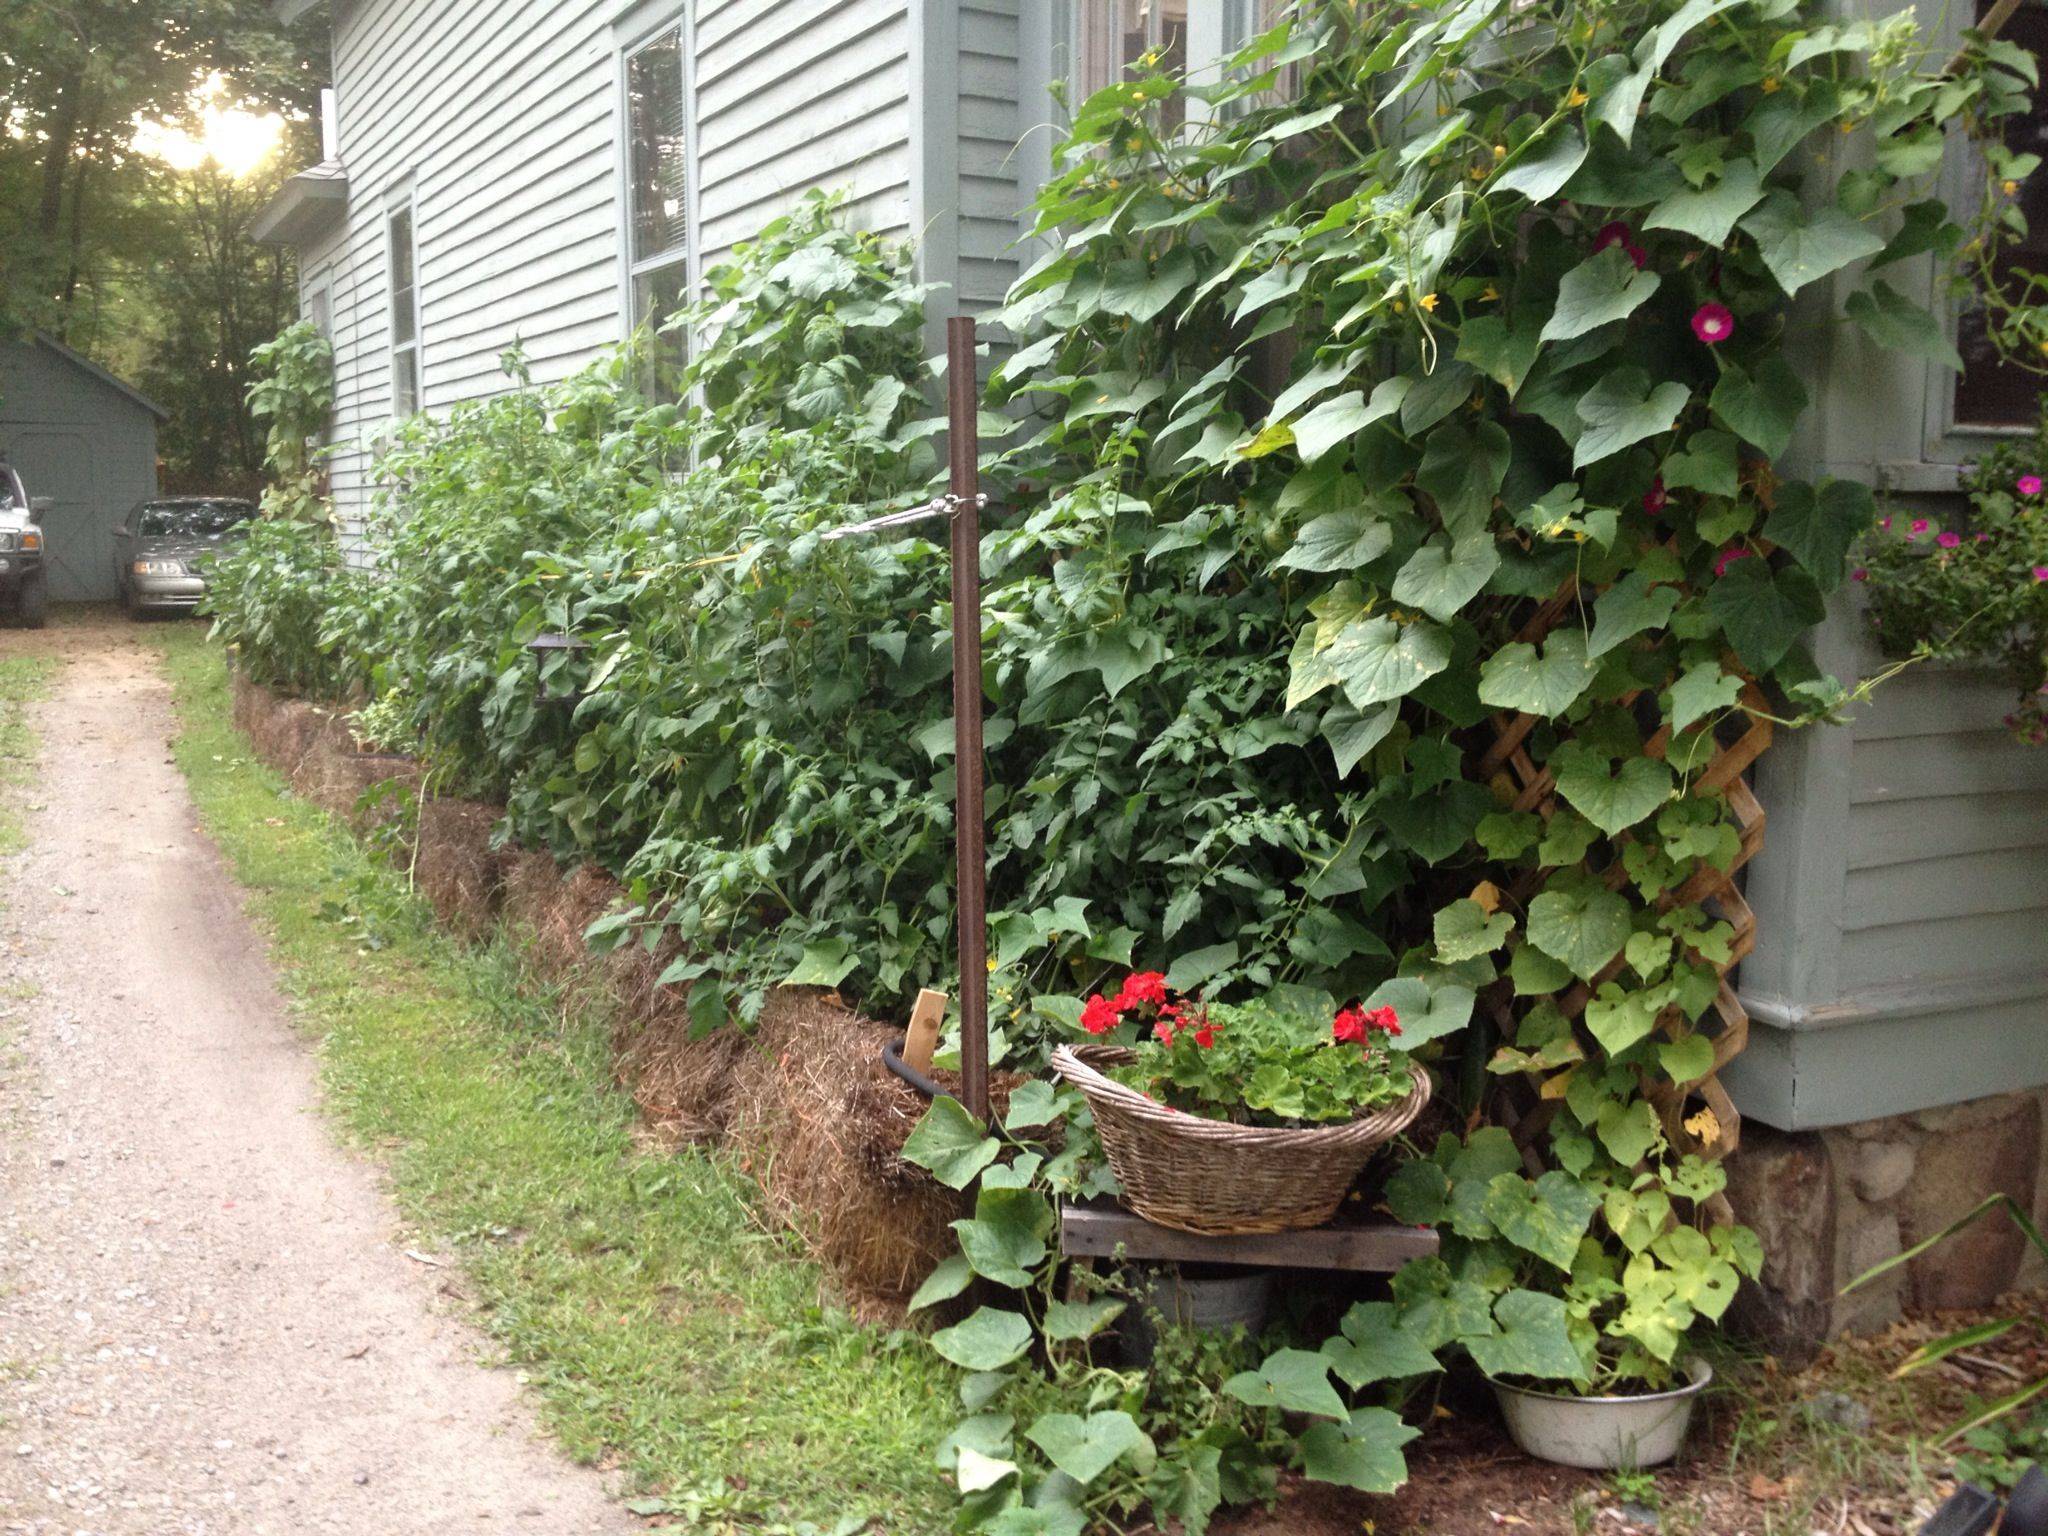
1218	1178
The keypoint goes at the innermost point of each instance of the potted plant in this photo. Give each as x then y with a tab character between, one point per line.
1237	1118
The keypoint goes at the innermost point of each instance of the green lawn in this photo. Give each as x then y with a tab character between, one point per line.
22	680
666	1325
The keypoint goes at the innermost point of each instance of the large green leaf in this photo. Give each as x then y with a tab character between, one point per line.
1464	931
1801	245
1499	348
1339	541
1897	324
1005	1240
1297	1380
1760	410
1330	424
987	1340
1764	612
1613	795
1605	287
1084	1449
1373	1347
1540	170
1708	464
1352	733
1143	292
951	1144
1046	1520
1462	471
1376	660
1628	1130
1710	213
1618	1017
1628	608
1363	1452
1703	690
1622	409
1069	1320
1429	1008
1579	921
1546	683
824	964
1441	577
948	1279
1820	524
1546	1218
1533	1339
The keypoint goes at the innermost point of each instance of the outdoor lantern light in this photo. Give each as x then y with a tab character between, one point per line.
541	648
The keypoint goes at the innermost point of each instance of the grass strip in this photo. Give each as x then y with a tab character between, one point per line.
23	679
667	1326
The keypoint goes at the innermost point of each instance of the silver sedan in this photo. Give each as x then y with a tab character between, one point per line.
164	546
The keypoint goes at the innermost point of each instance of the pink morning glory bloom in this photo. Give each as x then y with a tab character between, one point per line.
2028	485
1713	323
1884	522
1654	498
1948	540
1919	527
1616	233
1859	574
2041	573
1728	558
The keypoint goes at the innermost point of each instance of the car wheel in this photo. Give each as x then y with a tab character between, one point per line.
33	606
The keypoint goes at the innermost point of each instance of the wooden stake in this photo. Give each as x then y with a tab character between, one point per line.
922	1038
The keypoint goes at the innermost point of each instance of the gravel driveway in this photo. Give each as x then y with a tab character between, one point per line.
208	1318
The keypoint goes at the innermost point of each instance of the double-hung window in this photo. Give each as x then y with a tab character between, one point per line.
657	164
402	254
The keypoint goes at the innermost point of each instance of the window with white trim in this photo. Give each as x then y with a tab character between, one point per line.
402	251
657	162
317	304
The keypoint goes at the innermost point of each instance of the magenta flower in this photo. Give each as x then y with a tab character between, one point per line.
1729	557
1859	574
1884	522
1947	539
1981	537
1654	498
1712	323
1919	527
2028	485
2041	573
1616	233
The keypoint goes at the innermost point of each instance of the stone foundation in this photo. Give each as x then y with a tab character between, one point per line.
1830	1205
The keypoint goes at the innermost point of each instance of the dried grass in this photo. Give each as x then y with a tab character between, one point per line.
457	870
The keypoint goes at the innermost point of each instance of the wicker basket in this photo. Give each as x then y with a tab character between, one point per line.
1211	1177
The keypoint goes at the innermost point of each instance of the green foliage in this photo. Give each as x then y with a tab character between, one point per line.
1977	593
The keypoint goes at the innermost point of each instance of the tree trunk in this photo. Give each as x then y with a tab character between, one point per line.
57	154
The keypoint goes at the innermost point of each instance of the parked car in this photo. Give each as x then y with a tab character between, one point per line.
163	548
23	587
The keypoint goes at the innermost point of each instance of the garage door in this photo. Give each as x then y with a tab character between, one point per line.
78	545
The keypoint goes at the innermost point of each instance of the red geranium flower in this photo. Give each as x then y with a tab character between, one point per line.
1350	1026
1099	1015
1206	1035
1385	1020
1142	987
1163	1030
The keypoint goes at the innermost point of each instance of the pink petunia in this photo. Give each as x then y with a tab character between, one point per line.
1948	539
1729	557
1654	498
1713	323
2028	485
1920	526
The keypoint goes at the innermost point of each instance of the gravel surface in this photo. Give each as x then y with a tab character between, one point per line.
209	1322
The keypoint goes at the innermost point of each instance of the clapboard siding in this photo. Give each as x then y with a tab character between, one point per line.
991	173
797	94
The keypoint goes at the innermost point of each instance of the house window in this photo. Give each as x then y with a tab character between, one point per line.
1115	38
1991	393
658	187
405	312
318	305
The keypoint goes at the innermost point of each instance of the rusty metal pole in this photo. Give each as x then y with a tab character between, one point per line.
971	888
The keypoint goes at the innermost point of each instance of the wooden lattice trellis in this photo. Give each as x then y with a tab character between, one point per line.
1715	890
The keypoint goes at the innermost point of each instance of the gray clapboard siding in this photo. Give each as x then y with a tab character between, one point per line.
797	94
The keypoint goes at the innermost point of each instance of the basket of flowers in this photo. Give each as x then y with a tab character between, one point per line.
1238	1118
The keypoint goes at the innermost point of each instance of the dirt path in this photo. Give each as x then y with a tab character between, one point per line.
208	1323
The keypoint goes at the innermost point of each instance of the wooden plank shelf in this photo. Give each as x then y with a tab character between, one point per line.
1100	1229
